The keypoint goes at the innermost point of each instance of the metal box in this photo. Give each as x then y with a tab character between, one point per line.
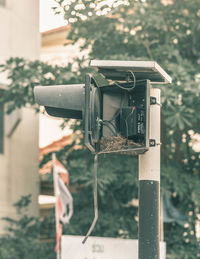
121	121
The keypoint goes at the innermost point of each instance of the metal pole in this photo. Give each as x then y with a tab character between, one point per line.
161	221
149	189
55	193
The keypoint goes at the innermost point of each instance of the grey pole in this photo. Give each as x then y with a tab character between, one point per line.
149	189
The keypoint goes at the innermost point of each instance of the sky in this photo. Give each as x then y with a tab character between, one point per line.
48	20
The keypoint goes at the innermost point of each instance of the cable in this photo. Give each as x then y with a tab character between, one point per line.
95	200
124	88
116	115
126	123
126	131
106	123
110	122
108	126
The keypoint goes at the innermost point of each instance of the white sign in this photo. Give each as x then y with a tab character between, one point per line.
101	248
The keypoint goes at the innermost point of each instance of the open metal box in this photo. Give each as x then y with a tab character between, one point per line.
118	117
118	70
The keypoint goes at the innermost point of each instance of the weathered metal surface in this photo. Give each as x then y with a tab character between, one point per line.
119	70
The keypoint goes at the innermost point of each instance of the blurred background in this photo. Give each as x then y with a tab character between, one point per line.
51	42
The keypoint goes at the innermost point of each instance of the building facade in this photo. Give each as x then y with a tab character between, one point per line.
20	37
56	49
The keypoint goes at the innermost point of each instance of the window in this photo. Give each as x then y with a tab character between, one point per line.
1	128
3	2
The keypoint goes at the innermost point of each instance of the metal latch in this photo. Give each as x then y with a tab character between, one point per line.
152	143
153	100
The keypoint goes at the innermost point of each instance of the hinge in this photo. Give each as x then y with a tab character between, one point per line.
152	142
153	100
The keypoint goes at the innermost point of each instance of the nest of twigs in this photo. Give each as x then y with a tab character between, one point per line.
115	143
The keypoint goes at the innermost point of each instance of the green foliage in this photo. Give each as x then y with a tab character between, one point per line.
22	239
24	75
168	32
117	186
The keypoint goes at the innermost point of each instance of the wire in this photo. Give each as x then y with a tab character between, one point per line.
114	117
126	123
130	88
109	127
95	200
106	123
111	123
126	131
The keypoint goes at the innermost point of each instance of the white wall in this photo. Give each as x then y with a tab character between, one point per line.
19	30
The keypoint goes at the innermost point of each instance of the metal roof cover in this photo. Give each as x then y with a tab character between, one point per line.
119	70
